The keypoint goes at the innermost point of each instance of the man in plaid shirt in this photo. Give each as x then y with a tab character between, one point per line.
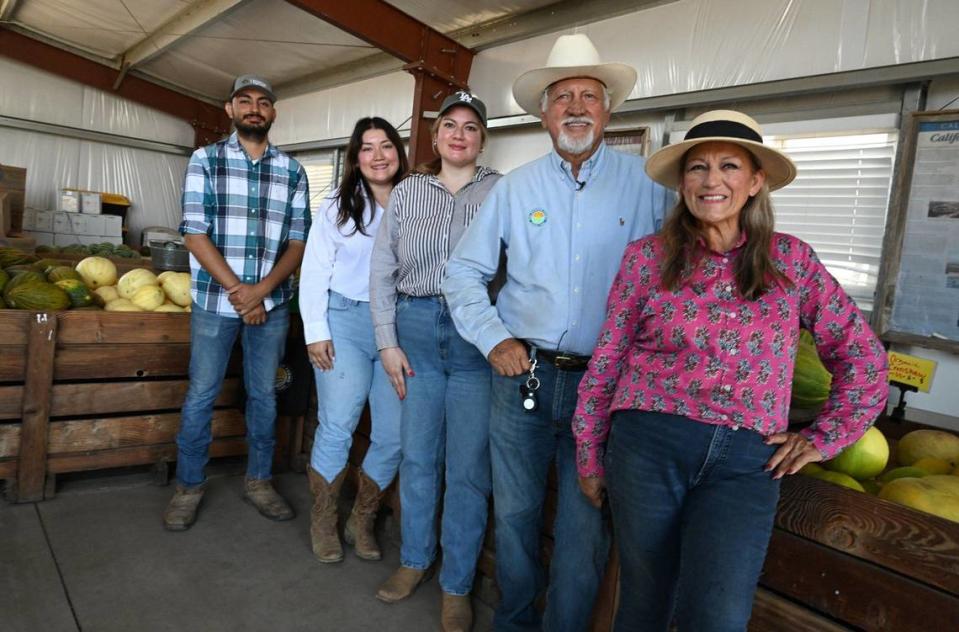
245	221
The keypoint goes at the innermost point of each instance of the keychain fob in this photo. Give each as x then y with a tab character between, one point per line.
528	398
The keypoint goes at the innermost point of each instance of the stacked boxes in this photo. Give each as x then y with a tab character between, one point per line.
77	221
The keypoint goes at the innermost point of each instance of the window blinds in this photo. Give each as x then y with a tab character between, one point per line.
838	202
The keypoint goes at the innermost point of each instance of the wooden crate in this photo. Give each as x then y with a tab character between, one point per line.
853	561
85	390
13	182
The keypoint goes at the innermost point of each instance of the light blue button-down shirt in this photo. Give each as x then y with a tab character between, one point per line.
564	239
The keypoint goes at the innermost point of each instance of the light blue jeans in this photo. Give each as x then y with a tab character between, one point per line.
211	342
445	427
522	446
357	375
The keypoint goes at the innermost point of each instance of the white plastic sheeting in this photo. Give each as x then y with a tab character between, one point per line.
332	113
695	45
151	180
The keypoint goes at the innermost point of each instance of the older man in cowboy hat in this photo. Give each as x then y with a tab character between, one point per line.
564	221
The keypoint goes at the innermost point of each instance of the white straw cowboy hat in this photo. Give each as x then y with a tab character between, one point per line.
726	126
573	56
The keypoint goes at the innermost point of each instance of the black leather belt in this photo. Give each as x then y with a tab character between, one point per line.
563	361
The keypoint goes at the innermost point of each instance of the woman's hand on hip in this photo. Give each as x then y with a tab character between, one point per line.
594	488
321	354
397	368
794	452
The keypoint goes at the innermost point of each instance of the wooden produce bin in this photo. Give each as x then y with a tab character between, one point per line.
89	390
844	560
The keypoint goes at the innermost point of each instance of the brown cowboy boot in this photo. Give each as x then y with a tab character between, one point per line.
457	613
323	534
402	583
359	526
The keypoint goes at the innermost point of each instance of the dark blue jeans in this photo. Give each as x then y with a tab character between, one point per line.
693	510
211	342
522	446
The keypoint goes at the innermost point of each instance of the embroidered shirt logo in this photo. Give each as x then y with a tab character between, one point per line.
537	217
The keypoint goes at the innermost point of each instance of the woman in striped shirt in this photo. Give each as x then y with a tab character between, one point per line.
334	302
442	379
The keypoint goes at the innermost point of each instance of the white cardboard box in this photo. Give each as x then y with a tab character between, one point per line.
112	225
43	221
116	240
69	223
69	201
91	225
90	203
42	238
60	239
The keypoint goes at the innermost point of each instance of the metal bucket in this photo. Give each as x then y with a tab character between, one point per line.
169	255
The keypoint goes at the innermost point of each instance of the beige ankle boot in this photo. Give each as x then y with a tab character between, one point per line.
457	614
359	526
323	534
402	583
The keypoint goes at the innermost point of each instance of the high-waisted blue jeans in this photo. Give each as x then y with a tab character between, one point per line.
342	393
693	510
445	426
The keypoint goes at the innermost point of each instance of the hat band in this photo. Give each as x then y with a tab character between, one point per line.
730	129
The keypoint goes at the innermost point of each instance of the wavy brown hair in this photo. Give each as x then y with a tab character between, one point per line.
354	190
755	271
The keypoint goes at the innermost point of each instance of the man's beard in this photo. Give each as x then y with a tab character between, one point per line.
576	145
253	132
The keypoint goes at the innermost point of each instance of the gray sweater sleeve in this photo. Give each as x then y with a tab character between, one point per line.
384	264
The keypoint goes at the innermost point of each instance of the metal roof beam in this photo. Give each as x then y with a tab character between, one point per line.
210	122
8	10
437	62
180	26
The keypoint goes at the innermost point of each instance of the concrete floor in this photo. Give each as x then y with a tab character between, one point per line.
96	558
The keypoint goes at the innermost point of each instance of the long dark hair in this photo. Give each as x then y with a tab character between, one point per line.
755	271
350	196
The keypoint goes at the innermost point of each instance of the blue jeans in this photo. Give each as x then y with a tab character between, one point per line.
357	375
522	446
693	510
211	342
445	426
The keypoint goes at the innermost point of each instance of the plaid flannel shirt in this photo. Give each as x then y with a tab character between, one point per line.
249	210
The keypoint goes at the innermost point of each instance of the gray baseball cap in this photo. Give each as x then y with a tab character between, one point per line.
253	81
464	98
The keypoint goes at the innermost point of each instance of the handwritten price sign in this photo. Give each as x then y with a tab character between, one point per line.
911	370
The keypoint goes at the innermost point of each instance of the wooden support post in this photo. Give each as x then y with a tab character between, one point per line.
428	95
32	461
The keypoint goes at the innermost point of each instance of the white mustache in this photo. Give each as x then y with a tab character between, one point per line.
578	119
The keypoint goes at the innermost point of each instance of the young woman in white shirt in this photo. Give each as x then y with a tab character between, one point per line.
334	302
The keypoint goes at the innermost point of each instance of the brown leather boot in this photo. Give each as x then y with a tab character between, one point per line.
323	534
402	583
180	513
359	526
261	494
457	614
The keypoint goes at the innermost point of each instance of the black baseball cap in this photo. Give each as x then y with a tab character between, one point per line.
253	81
467	99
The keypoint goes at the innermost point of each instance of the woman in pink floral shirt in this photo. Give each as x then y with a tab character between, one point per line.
683	411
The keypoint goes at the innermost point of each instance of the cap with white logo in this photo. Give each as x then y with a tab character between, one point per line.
253	81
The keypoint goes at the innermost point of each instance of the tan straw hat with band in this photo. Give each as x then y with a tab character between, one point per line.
727	126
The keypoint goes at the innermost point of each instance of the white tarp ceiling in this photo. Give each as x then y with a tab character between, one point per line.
200	45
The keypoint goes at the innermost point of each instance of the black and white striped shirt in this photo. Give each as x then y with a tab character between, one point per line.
422	225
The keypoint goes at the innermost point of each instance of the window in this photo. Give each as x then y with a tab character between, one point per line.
838	202
323	173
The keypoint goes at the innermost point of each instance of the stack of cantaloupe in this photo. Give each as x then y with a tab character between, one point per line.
925	476
138	290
